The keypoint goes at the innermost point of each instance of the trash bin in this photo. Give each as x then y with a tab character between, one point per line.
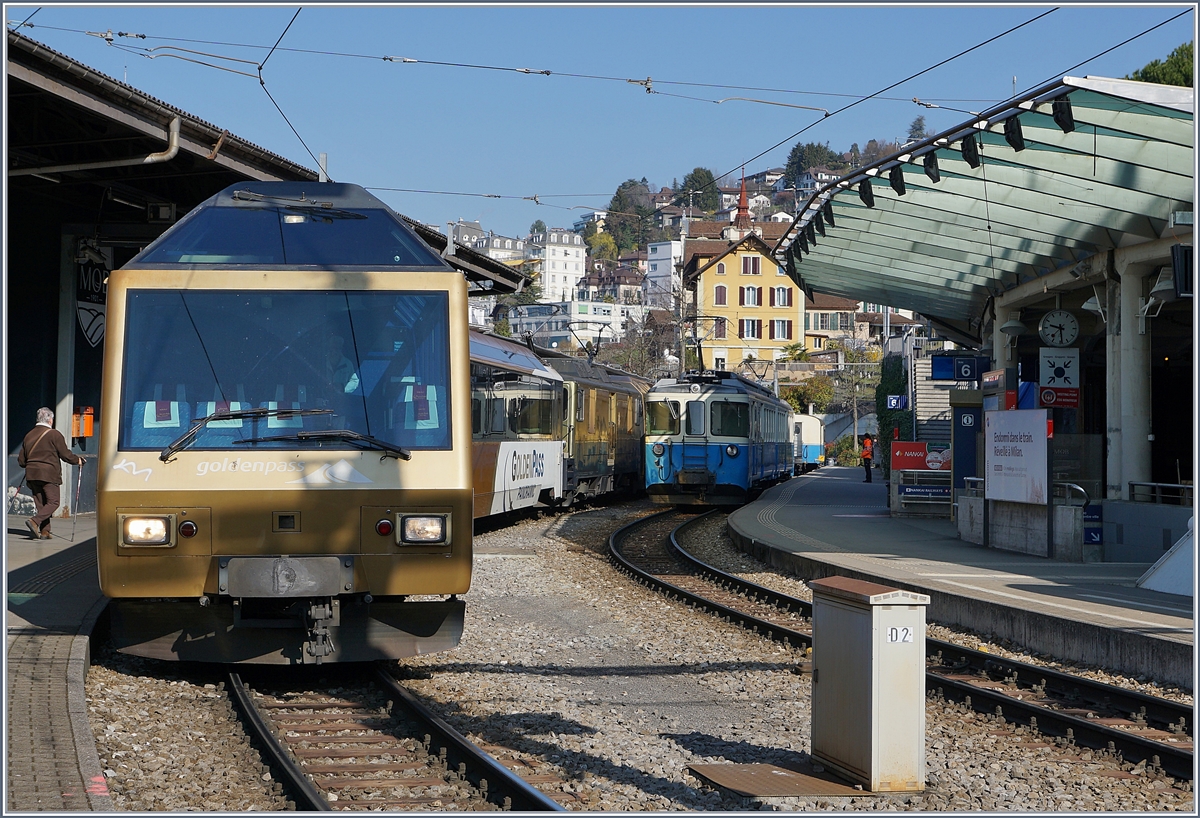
868	701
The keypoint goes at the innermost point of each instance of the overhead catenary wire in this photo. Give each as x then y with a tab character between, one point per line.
647	83
843	108
513	69
262	83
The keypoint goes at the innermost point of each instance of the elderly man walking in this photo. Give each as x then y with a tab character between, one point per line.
41	452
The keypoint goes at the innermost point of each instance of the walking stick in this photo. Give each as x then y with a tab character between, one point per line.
75	509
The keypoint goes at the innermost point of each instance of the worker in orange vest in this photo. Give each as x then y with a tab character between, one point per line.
868	450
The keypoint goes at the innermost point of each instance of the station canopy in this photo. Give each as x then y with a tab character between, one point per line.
1034	185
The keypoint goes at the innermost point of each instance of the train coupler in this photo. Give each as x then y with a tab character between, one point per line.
318	618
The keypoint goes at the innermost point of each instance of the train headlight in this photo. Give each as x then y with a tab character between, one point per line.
658	449
423	529
146	530
731	450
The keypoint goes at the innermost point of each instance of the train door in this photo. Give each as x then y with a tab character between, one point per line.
756	443
623	434
604	431
695	443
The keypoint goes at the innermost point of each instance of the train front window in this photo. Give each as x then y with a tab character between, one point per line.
662	417
253	233
378	362
730	419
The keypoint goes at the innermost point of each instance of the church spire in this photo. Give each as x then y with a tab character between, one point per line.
742	221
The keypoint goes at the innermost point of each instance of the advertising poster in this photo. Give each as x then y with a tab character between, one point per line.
919	455
1015	455
1058	378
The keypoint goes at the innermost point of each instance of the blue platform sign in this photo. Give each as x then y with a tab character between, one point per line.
955	367
1093	524
897	401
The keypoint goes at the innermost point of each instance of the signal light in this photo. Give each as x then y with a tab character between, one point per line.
384	528
188	529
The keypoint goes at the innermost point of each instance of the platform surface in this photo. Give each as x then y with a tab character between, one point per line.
835	524
53	601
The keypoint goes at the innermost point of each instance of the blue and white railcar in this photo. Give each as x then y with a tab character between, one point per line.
714	438
809	442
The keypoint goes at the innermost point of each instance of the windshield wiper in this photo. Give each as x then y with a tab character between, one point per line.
187	437
338	434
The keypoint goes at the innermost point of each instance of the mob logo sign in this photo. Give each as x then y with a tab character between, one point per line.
90	296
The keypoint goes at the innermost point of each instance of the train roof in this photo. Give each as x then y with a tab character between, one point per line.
305	225
507	354
719	380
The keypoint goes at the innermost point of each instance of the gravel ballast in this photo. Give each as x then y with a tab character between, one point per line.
567	660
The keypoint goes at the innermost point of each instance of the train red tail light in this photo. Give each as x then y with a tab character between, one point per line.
188	529
384	528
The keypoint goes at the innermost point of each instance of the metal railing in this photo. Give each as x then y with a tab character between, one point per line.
1175	494
973	487
1068	490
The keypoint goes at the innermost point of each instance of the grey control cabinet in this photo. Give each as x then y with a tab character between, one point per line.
868	701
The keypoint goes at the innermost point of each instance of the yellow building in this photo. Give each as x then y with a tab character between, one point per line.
745	305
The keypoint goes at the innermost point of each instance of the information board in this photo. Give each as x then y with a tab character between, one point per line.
1015	455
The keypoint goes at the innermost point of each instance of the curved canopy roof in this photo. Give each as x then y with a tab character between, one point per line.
1036	184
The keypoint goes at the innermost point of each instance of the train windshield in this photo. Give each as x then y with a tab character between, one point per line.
730	419
294	235
662	417
378	362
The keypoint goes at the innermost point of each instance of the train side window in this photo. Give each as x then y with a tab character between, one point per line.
695	417
580	403
497	416
731	419
662	417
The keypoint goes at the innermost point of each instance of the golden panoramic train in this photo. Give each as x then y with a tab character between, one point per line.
548	429
286	426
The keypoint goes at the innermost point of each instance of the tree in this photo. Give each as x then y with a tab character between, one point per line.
641	349
538	226
855	385
916	130
854	155
893	380
702	182
796	352
1176	70
805	156
629	213
817	391
876	150
601	246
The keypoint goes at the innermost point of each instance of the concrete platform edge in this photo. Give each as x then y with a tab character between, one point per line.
1124	651
90	767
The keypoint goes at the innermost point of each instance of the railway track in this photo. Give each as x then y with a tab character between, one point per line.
1072	709
373	746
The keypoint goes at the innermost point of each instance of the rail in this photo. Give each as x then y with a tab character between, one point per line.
1175	494
1084	695
972	487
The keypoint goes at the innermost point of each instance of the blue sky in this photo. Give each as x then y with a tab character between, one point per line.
571	140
